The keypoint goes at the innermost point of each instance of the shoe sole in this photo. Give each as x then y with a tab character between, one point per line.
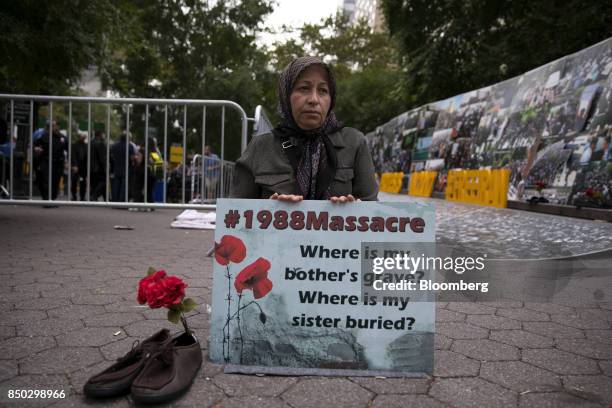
158	399
98	393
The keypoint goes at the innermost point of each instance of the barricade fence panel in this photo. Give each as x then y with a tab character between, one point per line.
119	152
482	187
421	183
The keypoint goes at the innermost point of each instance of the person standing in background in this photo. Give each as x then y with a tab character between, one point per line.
118	164
97	185
212	167
41	150
79	167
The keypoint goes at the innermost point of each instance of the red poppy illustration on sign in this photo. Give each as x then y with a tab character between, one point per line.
230	249
253	277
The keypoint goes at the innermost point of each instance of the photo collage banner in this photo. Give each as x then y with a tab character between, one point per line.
551	127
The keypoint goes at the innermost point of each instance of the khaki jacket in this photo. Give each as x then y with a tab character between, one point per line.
264	169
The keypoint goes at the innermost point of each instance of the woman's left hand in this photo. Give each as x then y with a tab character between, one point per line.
344	199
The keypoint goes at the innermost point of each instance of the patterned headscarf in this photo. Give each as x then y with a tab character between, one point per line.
285	86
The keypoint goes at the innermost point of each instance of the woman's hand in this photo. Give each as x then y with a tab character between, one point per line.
292	198
344	199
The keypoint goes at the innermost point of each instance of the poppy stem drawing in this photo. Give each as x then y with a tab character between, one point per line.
226	328
239	328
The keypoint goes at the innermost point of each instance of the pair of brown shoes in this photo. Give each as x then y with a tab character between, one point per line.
159	369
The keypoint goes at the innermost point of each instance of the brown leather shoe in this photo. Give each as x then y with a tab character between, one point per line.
117	379
170	372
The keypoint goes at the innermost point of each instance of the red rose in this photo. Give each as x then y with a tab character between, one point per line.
173	289
147	283
159	290
590	192
230	249
255	278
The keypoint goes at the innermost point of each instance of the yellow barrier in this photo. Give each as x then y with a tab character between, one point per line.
482	187
391	182
421	183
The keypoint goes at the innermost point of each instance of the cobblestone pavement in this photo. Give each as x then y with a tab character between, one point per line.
69	310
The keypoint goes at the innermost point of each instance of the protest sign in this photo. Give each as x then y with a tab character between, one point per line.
288	288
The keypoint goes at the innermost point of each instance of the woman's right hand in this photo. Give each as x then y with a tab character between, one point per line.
292	198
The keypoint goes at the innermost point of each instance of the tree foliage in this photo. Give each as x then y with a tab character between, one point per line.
450	46
45	45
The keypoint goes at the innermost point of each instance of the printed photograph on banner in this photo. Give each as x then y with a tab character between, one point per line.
287	288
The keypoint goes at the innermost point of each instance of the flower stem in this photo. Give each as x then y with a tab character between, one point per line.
184	321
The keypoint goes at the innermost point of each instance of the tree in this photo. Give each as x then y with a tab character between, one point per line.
190	50
364	64
46	45
449	47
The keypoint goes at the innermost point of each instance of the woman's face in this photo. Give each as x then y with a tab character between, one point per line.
310	98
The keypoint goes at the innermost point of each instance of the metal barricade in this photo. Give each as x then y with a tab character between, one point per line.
262	122
205	182
46	172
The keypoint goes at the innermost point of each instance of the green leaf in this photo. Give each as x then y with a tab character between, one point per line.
151	271
188	305
174	316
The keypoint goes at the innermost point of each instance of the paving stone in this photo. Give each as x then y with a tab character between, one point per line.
8	369
18	347
443	315
585	347
243	385
17	317
552	329
606	367
60	360
595	388
394	385
485	350
37	287
503	304
470	308
146	328
41	303
519	376
450	364
493	322
14	297
6	332
442	342
49	327
77	401
524	314
602	336
554	400
560	362
252	402
89	299
456	330
583	319
402	401
75	312
112	319
331	392
472	392
550	308
90	336
521	338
